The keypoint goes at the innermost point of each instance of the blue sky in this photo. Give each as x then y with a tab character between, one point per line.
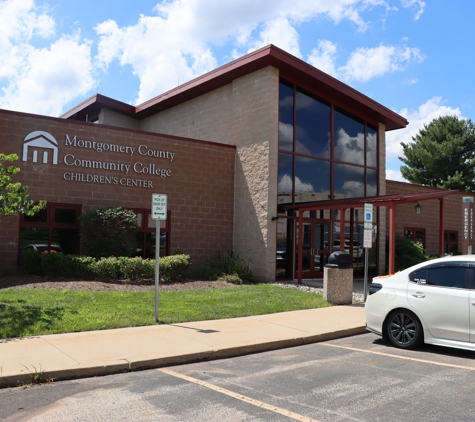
414	57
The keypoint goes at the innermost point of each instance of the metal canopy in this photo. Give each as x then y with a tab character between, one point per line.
391	201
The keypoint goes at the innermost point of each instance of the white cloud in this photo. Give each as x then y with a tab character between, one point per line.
418	5
424	114
324	56
39	80
175	45
364	64
394	175
41	71
367	63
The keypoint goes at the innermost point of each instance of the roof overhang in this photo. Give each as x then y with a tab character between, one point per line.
378	201
288	65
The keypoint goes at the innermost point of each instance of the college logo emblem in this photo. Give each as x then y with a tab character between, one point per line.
39	140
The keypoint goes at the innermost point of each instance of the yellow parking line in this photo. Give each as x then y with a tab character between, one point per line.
254	402
399	357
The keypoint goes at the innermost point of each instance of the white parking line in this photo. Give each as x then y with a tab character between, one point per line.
254	402
399	357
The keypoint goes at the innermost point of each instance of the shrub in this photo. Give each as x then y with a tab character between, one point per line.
107	231
52	264
225	264
408	253
31	262
173	267
231	278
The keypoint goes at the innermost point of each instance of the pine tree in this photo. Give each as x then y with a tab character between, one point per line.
442	155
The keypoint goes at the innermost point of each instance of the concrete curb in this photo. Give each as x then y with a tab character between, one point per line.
101	370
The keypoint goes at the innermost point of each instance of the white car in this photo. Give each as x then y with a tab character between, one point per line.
432	302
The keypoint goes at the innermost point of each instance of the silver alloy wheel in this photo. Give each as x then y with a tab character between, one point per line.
404	329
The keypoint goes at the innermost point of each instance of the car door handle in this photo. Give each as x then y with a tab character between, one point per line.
420	295
473	303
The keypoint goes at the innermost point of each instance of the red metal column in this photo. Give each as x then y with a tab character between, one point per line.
392	239
441	226
342	229
300	240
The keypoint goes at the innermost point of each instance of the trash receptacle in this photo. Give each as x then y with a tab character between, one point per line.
338	279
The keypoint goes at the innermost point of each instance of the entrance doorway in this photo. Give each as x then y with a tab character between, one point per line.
315	247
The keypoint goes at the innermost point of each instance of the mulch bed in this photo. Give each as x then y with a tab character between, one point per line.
35	282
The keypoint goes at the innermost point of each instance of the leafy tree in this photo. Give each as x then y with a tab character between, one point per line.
14	198
442	155
107	231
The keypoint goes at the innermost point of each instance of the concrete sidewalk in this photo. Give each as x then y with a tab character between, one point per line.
76	355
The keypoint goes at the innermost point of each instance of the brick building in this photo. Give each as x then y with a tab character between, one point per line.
424	227
237	150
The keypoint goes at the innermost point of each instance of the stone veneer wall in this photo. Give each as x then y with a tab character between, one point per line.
243	113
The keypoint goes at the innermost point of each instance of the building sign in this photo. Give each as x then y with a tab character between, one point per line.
40	146
467	219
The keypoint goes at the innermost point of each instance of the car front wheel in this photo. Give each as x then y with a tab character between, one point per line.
404	329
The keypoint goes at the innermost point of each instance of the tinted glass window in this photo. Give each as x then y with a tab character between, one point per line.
312	126
371	182
447	276
312	179
419	276
284	186
39	217
349	181
349	139
371	147
286	117
65	216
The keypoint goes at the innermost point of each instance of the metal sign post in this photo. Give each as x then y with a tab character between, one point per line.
159	212
367	242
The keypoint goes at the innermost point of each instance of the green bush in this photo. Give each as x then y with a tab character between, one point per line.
231	278
107	231
225	264
31	262
173	267
408	253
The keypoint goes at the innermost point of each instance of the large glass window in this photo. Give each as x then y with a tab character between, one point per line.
286	117
349	181
371	147
312	179
349	139
324	153
312	135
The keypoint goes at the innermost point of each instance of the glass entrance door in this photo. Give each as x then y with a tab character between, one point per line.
315	250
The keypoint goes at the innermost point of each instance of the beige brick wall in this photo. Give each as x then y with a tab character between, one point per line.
113	118
243	113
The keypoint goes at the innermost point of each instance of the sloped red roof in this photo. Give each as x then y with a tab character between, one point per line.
289	67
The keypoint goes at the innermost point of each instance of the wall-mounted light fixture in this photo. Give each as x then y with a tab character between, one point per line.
274	218
418	208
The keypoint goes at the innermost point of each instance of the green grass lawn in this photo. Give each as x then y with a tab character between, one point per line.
37	312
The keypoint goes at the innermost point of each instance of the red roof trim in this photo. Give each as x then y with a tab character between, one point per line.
378	201
259	59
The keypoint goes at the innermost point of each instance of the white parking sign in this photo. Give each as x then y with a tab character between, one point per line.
159	206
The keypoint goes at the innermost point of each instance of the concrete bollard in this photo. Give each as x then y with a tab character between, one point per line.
338	285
